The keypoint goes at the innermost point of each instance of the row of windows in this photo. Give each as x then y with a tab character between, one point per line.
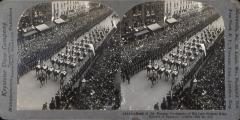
72	5
169	9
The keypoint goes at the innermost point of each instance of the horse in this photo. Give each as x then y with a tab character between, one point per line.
44	68
55	73
164	61
52	62
153	80
49	72
160	72
149	68
63	74
155	70
170	63
38	68
42	80
167	74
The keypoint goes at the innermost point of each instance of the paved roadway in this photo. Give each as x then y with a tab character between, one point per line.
29	94
140	95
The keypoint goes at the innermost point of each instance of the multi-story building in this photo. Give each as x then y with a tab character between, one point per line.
68	8
156	12
47	12
36	15
180	7
143	15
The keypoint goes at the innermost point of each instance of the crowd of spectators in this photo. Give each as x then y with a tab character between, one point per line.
135	55
205	89
209	91
97	89
43	45
37	15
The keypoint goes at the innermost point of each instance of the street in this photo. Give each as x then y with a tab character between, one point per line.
31	97
141	95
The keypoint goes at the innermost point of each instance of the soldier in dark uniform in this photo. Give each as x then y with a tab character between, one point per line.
128	78
44	107
57	98
169	101
164	104
156	106
52	104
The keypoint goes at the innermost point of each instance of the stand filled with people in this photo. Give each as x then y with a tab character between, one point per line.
155	46
43	45
197	89
96	90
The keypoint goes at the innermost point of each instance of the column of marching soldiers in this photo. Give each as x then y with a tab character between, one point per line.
69	59
182	57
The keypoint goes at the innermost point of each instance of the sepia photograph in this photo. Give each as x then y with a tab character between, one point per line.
172	57
66	57
161	55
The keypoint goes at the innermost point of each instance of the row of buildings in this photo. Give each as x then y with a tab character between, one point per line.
68	8
149	13
50	11
173	7
140	15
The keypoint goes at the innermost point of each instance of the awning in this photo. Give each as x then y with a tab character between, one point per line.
154	27
50	24
171	20
59	21
141	33
28	29
42	27
30	33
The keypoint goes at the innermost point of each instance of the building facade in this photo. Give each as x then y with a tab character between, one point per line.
47	12
143	15
180	7
156	12
36	15
68	8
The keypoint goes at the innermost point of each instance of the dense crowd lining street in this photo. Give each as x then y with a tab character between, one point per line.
53	73
150	60
170	71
